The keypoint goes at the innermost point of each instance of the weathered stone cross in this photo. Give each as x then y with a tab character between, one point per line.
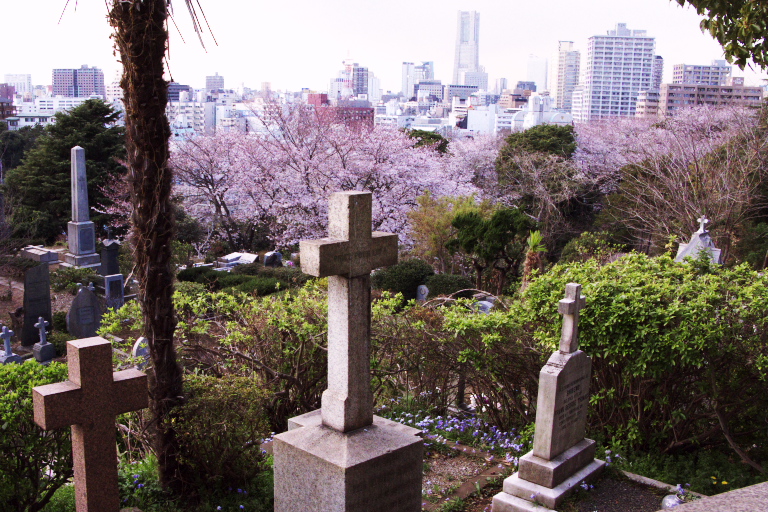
7	334
569	307
347	258
703	221
89	402
41	325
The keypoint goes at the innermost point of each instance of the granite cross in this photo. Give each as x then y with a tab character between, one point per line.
703	221
89	402
6	335
41	325
347	258
569	307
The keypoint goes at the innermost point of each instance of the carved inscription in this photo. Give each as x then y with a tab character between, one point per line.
574	406
86	315
87	240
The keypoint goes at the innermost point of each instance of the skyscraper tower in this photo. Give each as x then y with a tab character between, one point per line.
566	75
467	45
619	65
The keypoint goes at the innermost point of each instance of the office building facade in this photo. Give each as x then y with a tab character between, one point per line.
79	83
566	75
467	54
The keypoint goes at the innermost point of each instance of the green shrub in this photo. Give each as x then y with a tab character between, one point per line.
292	275
202	275
59	321
188	288
15	266
34	464
446	284
59	340
248	269
68	279
261	286
220	429
63	500
591	245
227	280
403	277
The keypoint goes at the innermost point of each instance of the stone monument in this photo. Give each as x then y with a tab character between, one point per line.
114	291
43	351
422	292
8	355
110	256
37	302
89	402
81	232
140	353
343	458
561	458
701	243
84	316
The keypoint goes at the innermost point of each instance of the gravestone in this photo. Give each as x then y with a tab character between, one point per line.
37	302
8	356
110	258
43	351
89	402
343	458
140	352
273	259
422	292
561	458
114	291
84	316
700	243
40	253
81	238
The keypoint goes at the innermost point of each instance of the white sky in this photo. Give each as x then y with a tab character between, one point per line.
301	43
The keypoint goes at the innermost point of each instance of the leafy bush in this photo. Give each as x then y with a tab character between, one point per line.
591	245
68	278
15	266
60	321
292	275
202	275
188	288
34	464
220	429
63	500
230	280
261	286
403	277
446	284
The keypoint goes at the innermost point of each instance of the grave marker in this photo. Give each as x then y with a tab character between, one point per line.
422	292
89	402
561	457
110	264
84	316
140	352
114	291
37	302
329	459
43	351
8	355
81	232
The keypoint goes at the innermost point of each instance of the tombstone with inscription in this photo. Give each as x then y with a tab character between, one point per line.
84	316
8	356
561	458
342	458
114	291
37	302
110	258
81	232
43	350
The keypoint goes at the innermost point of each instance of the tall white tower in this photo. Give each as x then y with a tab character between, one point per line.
618	66
467	57
566	75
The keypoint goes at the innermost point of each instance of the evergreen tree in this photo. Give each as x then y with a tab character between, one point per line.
39	190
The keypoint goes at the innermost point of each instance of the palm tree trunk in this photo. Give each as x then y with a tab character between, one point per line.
141	38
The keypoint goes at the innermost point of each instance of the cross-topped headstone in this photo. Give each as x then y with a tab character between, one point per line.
8	356
703	221
347	258
569	307
41	325
89	402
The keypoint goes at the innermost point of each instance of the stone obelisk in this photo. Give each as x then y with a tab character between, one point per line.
81	231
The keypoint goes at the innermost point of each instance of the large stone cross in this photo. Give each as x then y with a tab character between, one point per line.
703	221
7	335
89	402
569	307
347	257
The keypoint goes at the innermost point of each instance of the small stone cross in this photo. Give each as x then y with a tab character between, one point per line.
41	325
569	307
347	258
108	229
703	221
89	402
6	335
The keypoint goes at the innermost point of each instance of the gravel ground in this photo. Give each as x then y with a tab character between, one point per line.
446	473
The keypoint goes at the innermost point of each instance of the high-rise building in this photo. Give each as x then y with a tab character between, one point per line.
214	83
673	97
619	65
537	72
717	73
79	83
501	84
21	82
467	56
566	75
657	72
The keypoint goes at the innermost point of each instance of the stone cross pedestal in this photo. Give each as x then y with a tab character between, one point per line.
43	351
561	458
89	402
81	231
8	356
343	458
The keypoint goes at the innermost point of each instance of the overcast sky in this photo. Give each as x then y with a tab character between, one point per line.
302	43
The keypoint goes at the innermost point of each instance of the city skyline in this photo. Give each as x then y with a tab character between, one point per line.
305	49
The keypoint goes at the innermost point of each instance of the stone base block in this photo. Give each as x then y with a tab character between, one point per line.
373	469
503	502
545	496
11	359
81	260
551	473
44	353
